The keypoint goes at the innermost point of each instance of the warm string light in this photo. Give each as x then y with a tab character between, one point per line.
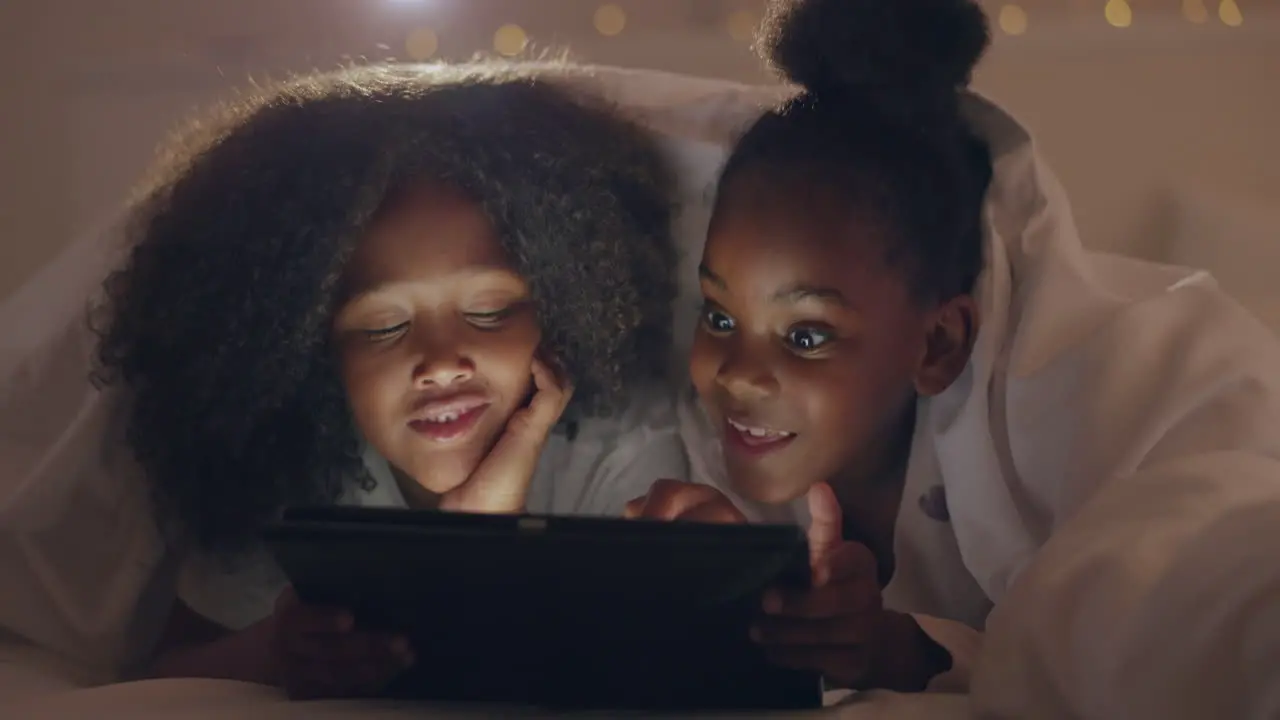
1195	11
421	44
610	20
510	40
1118	13
742	25
1013	20
1229	13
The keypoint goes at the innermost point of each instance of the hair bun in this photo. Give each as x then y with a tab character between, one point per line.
894	51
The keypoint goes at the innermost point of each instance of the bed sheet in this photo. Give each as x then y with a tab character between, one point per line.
37	686
210	699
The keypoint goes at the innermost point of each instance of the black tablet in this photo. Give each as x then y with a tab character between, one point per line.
565	612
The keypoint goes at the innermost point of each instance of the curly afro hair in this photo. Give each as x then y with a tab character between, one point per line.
878	119
218	323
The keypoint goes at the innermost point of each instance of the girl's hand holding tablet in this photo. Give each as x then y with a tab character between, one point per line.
677	500
839	625
320	654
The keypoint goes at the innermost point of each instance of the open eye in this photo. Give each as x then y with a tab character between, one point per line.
807	339
716	320
385	333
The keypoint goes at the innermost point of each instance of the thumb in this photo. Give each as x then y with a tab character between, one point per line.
825	527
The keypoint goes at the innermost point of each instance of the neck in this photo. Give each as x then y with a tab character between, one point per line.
885	470
870	493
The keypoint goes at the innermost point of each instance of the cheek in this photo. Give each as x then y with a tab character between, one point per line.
848	404
823	397
505	360
840	400
705	359
894	368
373	384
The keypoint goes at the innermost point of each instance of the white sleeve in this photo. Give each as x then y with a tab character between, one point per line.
619	458
234	593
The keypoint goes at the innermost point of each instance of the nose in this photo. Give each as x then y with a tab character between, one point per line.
744	375
442	373
441	362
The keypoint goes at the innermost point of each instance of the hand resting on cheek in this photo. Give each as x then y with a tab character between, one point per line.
501	481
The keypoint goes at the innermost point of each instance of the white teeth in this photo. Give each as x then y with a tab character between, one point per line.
444	417
757	431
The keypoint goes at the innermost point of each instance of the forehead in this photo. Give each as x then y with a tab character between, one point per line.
763	238
430	230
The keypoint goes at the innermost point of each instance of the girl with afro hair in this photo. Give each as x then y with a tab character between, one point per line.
435	288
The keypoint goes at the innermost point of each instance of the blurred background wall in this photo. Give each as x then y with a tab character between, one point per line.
1162	117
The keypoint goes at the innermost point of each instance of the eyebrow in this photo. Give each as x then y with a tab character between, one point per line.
705	273
796	293
480	272
792	294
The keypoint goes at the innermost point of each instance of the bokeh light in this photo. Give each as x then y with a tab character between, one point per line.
1118	13
610	20
510	40
1013	20
1229	13
742	25
1195	11
421	44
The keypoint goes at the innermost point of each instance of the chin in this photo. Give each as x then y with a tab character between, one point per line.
436	483
441	472
763	489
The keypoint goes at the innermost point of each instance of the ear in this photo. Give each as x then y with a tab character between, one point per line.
949	336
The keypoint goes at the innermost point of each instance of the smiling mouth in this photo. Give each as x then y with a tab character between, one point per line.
755	439
449	420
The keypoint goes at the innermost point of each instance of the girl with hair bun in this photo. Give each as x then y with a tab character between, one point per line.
838	276
905	346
